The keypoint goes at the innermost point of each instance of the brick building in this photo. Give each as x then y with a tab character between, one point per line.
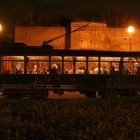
80	35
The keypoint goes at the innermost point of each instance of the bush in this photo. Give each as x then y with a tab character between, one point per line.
73	119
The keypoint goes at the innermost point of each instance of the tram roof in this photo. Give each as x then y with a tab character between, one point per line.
38	51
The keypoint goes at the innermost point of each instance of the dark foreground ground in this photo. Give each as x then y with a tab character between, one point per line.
70	119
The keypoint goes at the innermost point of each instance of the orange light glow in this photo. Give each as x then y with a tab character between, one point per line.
130	29
0	27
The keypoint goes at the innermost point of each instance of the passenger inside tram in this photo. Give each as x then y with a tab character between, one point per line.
34	71
66	71
105	70
16	66
18	69
117	69
92	71
96	70
112	70
71	71
54	69
126	70
44	70
81	70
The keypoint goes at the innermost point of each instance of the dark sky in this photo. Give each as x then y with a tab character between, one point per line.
10	9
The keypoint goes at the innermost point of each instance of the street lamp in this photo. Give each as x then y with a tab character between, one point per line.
130	31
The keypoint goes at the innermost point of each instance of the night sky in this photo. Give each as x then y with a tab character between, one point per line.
11	9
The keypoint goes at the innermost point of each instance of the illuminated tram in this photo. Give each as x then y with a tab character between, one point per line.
34	71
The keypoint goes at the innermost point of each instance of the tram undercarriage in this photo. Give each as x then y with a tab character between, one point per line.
38	86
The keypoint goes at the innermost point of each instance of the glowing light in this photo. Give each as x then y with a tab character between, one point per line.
130	29
0	27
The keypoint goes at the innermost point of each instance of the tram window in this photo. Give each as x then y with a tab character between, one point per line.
12	65
6	67
80	65
18	67
43	67
56	61
131	65
38	65
32	67
13	58
108	64
68	65
93	65
38	58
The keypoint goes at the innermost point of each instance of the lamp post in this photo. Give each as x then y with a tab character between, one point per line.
130	31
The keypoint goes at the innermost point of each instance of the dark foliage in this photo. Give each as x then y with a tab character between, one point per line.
74	119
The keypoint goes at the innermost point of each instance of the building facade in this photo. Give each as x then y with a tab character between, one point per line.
80	35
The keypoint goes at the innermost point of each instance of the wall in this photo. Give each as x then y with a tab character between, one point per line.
99	37
84	35
35	35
